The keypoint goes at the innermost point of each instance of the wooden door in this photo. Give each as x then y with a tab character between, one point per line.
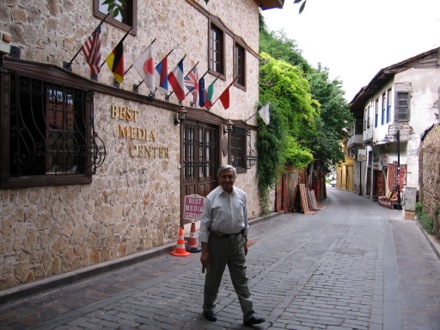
200	158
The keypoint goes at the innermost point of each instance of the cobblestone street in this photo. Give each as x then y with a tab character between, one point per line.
352	265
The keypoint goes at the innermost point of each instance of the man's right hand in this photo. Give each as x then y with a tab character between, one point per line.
204	259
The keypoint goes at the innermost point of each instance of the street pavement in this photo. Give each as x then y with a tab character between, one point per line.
351	265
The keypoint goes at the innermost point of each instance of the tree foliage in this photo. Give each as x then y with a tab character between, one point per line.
335	117
312	111
293	116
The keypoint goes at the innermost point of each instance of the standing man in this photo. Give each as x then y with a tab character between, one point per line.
223	235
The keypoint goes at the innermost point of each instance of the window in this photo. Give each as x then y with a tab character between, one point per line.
376	112
389	101
368	116
238	150
382	118
216	50
240	65
49	133
358	126
126	17
402	106
365	118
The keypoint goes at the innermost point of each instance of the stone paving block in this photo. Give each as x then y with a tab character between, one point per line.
333	272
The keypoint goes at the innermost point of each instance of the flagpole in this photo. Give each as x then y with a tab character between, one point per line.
136	87
156	68
223	91
204	74
142	53
66	66
171	93
123	38
252	116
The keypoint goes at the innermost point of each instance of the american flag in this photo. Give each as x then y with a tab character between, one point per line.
92	51
192	84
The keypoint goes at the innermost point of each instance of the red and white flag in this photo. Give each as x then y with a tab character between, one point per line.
144	65
92	51
177	82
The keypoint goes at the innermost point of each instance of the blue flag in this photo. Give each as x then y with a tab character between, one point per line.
202	92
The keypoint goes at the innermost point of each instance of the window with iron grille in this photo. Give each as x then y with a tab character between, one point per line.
126	14
240	65
216	50
200	146
49	138
238	149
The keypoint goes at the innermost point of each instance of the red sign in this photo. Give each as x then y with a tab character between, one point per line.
193	207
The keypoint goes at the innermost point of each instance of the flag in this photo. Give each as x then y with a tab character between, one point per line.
202	92
209	95
92	51
192	84
224	98
177	82
161	76
144	65
265	114
115	61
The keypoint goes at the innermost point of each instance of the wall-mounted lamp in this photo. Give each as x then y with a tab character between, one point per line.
180	116
229	126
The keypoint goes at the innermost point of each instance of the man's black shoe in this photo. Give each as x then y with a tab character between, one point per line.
254	320
210	316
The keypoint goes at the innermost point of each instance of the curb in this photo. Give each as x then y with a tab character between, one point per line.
57	281
431	240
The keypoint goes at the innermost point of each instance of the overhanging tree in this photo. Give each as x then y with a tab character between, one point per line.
293	115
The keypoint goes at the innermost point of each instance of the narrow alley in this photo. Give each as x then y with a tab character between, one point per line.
352	265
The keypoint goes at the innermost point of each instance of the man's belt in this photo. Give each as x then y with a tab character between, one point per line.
218	234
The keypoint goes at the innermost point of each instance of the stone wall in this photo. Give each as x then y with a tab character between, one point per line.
133	203
429	164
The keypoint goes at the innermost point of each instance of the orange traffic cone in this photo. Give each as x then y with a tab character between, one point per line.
180	248
193	243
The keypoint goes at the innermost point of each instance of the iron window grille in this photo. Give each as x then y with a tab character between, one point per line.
50	137
200	145
238	149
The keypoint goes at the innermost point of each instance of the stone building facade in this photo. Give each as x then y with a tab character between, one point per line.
112	181
429	158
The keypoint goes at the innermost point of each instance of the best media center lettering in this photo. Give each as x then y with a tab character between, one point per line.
137	133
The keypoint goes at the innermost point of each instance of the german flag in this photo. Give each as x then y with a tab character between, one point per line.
115	62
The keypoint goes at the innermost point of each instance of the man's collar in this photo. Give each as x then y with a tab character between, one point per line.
224	191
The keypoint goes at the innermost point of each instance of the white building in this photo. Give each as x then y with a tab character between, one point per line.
391	113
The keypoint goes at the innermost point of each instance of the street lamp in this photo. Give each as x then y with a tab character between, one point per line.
399	205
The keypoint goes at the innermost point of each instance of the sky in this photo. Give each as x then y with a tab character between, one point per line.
355	39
